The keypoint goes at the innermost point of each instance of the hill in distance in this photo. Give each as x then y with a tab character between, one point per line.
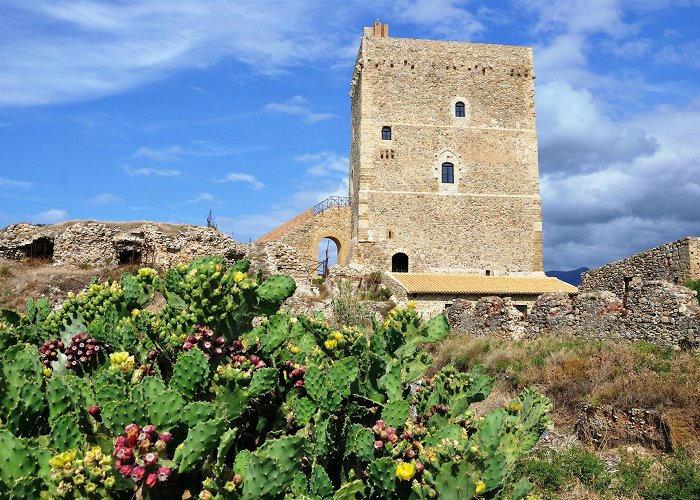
571	277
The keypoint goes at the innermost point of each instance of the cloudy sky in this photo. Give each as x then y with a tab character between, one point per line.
164	110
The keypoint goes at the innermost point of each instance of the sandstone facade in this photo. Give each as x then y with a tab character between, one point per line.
110	244
486	214
676	262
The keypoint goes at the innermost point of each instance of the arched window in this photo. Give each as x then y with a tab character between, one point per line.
459	109
399	263
448	173
386	133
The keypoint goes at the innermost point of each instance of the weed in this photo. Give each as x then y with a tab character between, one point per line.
5	271
347	308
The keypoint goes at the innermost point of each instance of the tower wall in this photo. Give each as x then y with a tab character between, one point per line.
489	218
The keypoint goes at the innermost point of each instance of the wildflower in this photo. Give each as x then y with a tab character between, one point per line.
405	471
331	344
135	313
294	349
515	407
480	487
47	372
337	335
239	276
412	304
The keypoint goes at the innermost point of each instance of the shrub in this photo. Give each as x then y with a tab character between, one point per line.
694	285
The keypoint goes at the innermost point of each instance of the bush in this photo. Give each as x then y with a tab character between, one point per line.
694	285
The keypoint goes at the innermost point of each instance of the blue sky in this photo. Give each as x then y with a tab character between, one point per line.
156	110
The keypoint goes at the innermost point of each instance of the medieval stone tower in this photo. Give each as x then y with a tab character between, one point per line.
443	157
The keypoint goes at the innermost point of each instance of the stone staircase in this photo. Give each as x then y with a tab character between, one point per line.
288	226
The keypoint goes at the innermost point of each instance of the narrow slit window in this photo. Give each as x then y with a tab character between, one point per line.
448	173
459	110
386	133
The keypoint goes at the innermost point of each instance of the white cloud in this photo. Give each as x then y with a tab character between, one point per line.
50	216
148	172
170	153
6	183
324	163
448	19
299	106
241	177
92	48
105	199
200	197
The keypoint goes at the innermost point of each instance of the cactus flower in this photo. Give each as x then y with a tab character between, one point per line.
63	459
480	487
331	344
239	276
405	471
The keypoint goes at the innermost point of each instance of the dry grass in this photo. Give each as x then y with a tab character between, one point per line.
577	372
35	278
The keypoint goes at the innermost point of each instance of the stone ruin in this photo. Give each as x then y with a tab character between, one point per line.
656	311
111	244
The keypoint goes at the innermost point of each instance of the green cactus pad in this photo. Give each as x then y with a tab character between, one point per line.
106	393
360	442
319	482
263	382
382	477
29	416
350	491
15	461
231	403
165	410
303	410
190	374
227	440
27	487
118	414
277	332
437	329
272	468
61	397
200	441
396	413
391	381
276	289
453	482
197	412
65	434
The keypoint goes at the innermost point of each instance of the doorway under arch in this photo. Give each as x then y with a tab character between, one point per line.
328	253
399	263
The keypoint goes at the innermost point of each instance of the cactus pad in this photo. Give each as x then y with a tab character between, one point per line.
200	441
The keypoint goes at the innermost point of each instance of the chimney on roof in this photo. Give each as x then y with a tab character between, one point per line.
381	30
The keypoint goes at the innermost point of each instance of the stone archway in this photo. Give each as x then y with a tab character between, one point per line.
340	248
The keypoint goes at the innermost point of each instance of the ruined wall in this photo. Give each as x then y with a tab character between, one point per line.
490	217
304	233
676	262
109	244
654	311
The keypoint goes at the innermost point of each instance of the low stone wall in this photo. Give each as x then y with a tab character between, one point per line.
676	262
109	244
654	311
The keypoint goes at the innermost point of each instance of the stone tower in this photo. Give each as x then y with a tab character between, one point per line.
443	157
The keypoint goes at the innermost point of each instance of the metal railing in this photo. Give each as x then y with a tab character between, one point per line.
333	201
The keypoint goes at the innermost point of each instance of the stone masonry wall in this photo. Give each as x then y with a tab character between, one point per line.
305	232
655	311
676	262
490	217
102	243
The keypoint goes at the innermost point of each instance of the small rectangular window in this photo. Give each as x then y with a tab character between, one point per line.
448	173
386	133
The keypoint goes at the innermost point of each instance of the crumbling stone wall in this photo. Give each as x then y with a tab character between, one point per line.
655	311
676	262
109	244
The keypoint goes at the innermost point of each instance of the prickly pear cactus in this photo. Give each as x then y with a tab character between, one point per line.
108	397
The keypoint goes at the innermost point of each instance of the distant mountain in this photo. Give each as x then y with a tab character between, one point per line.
571	277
